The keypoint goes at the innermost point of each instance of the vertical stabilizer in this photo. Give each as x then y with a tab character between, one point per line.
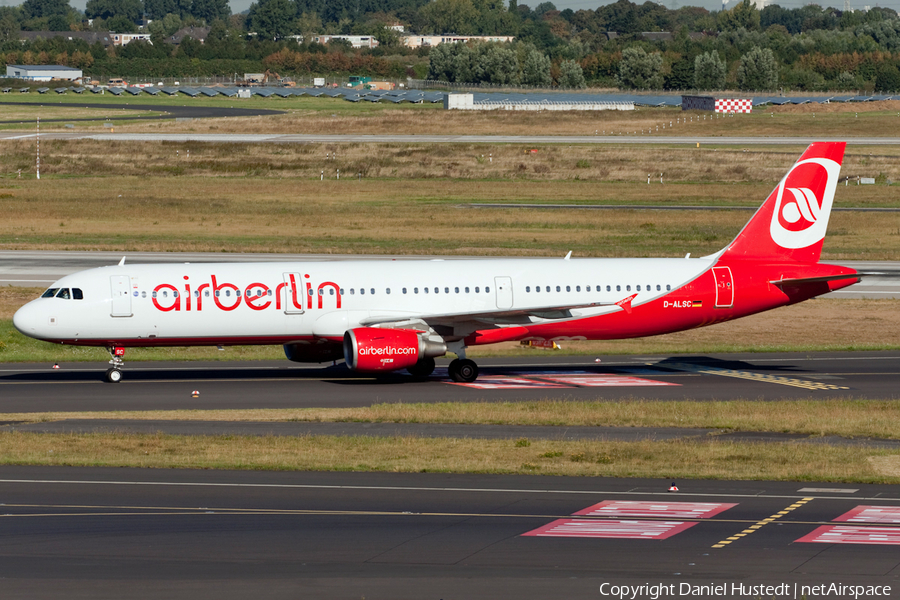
791	224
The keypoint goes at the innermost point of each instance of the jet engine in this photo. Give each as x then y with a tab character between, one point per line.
375	349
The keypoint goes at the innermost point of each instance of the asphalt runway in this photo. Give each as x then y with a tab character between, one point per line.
126	533
113	112
40	268
280	384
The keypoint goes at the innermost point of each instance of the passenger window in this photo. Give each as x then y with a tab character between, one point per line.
143	294
372	291
362	291
657	287
588	288
668	288
415	290
476	289
568	288
227	293
77	295
557	288
236	293
165	294
63	293
467	290
608	289
196	294
618	288
437	290
154	294
404	290
577	288
487	290
311	292
175	294
537	288
50	293
548	288
352	291
638	288
446	290
341	292
331	291
206	293
456	290
527	288
426	290
387	290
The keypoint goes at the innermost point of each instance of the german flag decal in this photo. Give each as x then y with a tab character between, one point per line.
696	303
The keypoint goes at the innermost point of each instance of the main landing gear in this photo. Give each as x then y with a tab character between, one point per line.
463	370
114	373
423	368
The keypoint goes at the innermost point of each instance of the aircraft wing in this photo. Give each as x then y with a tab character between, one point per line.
499	316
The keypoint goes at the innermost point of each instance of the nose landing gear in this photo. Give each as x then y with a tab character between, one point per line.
114	373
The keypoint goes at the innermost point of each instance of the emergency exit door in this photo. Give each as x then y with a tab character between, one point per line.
504	292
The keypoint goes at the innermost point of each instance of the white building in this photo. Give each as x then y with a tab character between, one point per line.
417	41
356	41
43	72
120	39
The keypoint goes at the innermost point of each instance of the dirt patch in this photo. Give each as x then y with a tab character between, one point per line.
888	466
836	107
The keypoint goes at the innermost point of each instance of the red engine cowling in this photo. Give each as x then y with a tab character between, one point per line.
374	349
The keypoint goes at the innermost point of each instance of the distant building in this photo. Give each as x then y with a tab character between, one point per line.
198	33
356	41
120	39
42	72
91	37
417	41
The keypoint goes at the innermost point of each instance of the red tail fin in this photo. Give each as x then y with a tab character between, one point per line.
791	224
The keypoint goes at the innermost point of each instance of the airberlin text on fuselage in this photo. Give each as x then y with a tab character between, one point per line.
257	296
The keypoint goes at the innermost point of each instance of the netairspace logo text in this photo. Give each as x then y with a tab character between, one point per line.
796	591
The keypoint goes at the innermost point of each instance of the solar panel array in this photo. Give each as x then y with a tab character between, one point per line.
419	96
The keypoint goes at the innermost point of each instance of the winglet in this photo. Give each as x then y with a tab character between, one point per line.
568	256
122	262
625	303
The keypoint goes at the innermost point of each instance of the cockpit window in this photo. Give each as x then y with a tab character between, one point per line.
63	293
50	293
77	295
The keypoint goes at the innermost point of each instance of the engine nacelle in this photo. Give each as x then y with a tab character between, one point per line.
375	349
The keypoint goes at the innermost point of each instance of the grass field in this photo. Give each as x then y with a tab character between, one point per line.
707	459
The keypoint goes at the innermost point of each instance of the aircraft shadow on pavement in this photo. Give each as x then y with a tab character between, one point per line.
339	374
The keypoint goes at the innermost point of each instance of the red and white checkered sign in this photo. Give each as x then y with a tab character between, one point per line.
872	514
678	510
849	534
595	528
734	105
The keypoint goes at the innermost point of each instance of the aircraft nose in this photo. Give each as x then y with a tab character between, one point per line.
26	320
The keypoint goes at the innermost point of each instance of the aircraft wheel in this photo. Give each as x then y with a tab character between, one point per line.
423	368
463	371
114	376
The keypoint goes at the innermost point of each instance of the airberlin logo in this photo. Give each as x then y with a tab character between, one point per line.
803	203
287	295
389	350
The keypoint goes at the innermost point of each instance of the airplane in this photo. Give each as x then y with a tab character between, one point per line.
388	315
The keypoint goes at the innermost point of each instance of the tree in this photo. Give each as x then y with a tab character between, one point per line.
570	75
709	71
9	25
887	79
451	16
758	70
495	63
744	15
639	70
272	18
210	10
681	77
36	9
536	69
121	24
106	9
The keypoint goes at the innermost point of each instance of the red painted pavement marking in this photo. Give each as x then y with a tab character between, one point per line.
680	510
872	514
629	530
607	381
848	534
507	383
